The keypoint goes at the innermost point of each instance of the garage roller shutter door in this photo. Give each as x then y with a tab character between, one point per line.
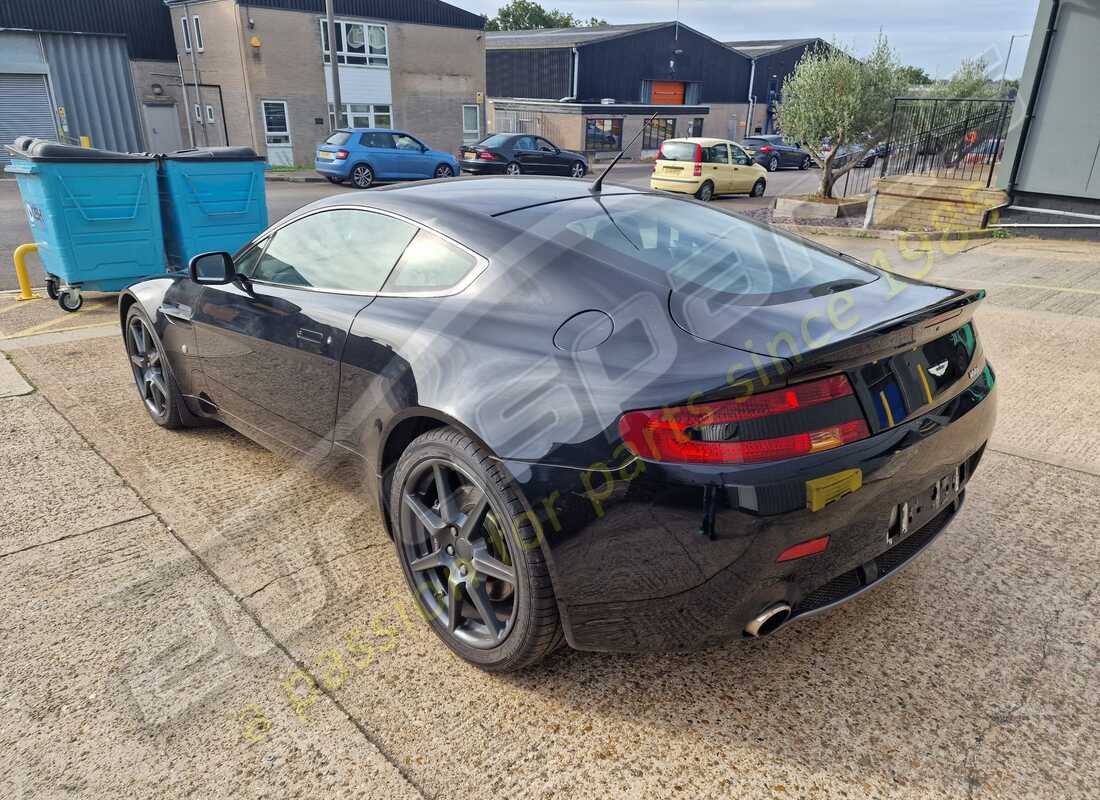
25	110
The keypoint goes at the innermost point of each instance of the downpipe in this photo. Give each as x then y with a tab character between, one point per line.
768	620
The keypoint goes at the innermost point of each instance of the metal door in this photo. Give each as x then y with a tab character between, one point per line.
162	128
25	110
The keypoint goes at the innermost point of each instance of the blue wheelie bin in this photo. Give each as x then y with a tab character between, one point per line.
94	214
212	198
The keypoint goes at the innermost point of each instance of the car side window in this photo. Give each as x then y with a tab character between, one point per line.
739	156
247	261
407	142
430	264
380	140
524	143
545	146
341	250
716	154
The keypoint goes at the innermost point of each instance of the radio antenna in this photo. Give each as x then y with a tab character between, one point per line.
597	184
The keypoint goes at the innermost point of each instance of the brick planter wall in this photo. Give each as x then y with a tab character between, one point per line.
917	202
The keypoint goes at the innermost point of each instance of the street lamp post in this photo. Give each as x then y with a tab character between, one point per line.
1004	72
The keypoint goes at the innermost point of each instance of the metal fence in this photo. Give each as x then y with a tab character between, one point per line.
955	138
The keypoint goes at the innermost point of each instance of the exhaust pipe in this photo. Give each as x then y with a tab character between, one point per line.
768	620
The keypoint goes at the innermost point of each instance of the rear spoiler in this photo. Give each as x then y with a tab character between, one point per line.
889	338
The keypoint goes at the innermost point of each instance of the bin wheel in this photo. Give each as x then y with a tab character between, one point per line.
51	288
70	300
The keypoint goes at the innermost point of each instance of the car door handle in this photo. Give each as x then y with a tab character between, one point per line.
310	336
176	312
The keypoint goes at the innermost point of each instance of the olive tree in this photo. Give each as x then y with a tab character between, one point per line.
833	96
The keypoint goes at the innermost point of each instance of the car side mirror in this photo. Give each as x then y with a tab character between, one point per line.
212	269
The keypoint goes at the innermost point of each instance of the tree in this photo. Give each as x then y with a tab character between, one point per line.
916	76
973	78
833	96
526	15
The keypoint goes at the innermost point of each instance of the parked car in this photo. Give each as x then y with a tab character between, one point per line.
867	154
772	153
706	168
569	407
365	155
521	154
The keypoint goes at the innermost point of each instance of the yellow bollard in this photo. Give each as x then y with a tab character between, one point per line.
20	255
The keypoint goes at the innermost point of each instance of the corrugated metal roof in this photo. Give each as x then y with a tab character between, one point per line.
146	24
754	48
563	37
423	12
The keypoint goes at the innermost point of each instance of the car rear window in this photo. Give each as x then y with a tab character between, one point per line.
338	138
677	151
685	244
494	140
754	142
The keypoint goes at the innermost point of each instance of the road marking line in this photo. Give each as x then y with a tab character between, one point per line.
1042	287
37	329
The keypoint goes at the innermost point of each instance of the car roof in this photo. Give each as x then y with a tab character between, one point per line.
704	140
371	130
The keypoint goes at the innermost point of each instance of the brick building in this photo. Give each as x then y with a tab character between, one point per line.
257	72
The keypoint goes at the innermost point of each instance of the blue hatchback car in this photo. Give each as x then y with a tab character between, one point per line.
366	155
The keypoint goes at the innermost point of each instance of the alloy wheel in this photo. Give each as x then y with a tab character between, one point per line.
577	170
443	171
362	176
147	366
458	553
513	169
773	165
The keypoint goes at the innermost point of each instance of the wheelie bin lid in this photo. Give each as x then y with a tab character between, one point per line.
45	150
214	154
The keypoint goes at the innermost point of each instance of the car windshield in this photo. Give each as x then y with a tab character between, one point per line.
494	140
338	138
688	245
678	151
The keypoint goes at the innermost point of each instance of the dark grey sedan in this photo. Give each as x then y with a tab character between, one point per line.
772	153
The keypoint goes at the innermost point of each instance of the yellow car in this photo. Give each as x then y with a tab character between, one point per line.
705	168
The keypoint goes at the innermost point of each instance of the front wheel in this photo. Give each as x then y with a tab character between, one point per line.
470	555
758	188
805	163
155	384
577	170
513	169
444	171
362	176
706	192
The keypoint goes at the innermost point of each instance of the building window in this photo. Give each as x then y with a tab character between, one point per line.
357	43
471	124
656	131
603	134
276	127
210	114
198	113
186	34
198	34
696	127
362	115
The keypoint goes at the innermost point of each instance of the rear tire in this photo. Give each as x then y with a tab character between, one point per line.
773	164
478	517
362	176
705	192
758	188
513	169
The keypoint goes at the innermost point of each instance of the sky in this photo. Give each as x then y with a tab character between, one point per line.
934	34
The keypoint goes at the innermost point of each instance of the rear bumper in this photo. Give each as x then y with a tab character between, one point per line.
337	169
482	167
686	185
658	557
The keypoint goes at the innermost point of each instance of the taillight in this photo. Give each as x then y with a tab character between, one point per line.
762	427
698	171
766	148
340	155
485	155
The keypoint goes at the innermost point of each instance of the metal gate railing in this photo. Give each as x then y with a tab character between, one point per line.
954	138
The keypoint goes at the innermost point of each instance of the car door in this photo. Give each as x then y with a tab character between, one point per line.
551	160
413	157
377	149
269	344
743	175
716	167
525	154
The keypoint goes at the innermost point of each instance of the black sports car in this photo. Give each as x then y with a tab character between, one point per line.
618	418
520	154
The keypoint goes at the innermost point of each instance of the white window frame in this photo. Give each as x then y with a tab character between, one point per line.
197	31
383	61
186	26
210	113
198	113
471	136
372	113
268	134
